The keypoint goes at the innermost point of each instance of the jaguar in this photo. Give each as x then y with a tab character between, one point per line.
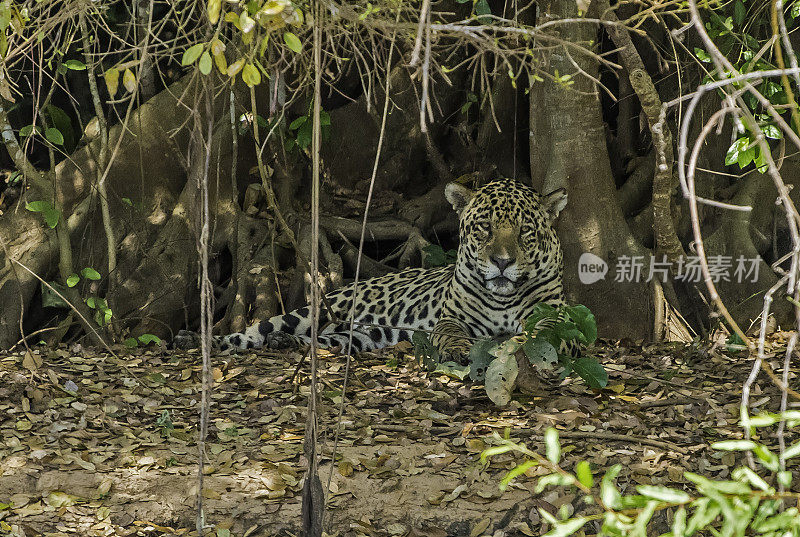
509	259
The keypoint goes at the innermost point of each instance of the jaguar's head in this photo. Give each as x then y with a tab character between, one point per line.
507	240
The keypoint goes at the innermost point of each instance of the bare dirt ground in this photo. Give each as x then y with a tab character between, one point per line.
95	444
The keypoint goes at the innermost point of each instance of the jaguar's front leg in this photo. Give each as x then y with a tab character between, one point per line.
450	337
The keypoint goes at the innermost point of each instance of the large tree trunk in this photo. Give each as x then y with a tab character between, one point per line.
568	149
147	173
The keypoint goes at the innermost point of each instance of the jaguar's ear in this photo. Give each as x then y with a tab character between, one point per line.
554	202
458	196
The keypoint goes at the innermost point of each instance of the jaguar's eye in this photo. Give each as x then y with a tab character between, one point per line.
526	229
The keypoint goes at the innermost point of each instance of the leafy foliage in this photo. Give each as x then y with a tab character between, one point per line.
436	256
746	504
740	29
551	337
50	214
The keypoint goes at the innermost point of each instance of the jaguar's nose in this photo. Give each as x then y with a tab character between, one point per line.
502	262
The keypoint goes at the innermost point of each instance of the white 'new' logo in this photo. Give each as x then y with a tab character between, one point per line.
591	268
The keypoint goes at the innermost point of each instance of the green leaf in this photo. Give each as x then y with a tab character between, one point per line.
739	12
324	118
584	472
772	131
191	54
90	274
553	480
304	135
500	378
436	256
60	120
38	206
72	280
293	42
54	136
679	523
541	311
479	359
146	339
251	75
736	147
590	370
453	370
130	342
481	9
664	494
746	157
792	451
702	55
705	512
608	488
763	420
540	352
26	131
75	65
297	123
50	299
746	475
766	457
205	63
111	77
424	351
51	217
552	445
213	9
585	321
569	527
734	445
90	302
516	472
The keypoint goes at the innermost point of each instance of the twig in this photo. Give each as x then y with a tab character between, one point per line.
674	401
111	241
313	506
206	298
352	314
423	21
602	435
787	361
86	323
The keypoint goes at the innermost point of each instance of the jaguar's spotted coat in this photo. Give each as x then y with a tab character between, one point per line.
509	259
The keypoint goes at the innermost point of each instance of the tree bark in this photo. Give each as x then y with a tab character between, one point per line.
568	149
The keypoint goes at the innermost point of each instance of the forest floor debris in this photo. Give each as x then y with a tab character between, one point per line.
99	445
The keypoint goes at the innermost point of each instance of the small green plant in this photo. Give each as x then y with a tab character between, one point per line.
436	256
551	337
50	214
471	99
144	340
563	331
102	312
741	30
747	504
301	130
164	424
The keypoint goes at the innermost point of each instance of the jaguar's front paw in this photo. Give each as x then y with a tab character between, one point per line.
281	340
455	351
185	339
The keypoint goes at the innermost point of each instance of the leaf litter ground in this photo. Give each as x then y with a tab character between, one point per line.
92	444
